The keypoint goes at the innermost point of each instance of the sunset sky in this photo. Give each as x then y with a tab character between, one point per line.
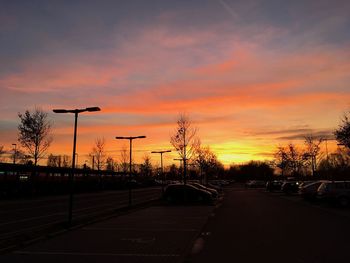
251	75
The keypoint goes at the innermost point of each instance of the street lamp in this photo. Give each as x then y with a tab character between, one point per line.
130	138
71	176
161	164
14	153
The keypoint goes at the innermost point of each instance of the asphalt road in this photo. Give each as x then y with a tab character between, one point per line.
248	226
256	226
24	219
154	234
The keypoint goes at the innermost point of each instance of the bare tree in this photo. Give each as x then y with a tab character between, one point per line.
340	160
34	133
184	140
2	152
296	159
19	156
206	160
110	164
342	134
312	150
290	160
54	160
146	166
281	159
66	161
124	160
99	153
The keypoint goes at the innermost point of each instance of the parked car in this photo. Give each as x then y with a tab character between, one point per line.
303	183
290	187
214	193
215	186
274	185
337	192
186	193
308	190
255	184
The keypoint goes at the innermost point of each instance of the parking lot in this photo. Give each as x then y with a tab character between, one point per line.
153	234
254	225
248	225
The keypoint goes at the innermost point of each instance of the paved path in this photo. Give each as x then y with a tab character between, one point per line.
255	226
25	218
154	234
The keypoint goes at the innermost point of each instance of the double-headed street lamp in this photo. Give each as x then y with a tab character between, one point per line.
161	164
71	176
130	138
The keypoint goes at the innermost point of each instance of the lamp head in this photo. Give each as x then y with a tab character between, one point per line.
60	111
90	109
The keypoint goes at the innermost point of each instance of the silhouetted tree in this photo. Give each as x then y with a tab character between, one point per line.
34	133
110	164
290	160
20	156
2	152
337	165
206	160
342	134
312	150
281	159
184	140
173	172
54	160
124	160
339	159
99	153
146	166
296	160
66	161
256	170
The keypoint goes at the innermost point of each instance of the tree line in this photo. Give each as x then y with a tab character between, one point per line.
35	138
308	159
196	160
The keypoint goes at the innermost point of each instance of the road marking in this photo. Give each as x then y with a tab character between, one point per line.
92	254
138	229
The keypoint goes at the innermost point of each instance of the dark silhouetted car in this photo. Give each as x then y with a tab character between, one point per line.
290	187
214	193
255	184
309	190
186	193
274	185
337	192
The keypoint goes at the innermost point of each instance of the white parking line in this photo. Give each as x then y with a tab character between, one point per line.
92	254
138	229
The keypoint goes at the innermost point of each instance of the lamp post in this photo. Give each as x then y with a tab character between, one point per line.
130	138
77	162
71	175
14	152
161	164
